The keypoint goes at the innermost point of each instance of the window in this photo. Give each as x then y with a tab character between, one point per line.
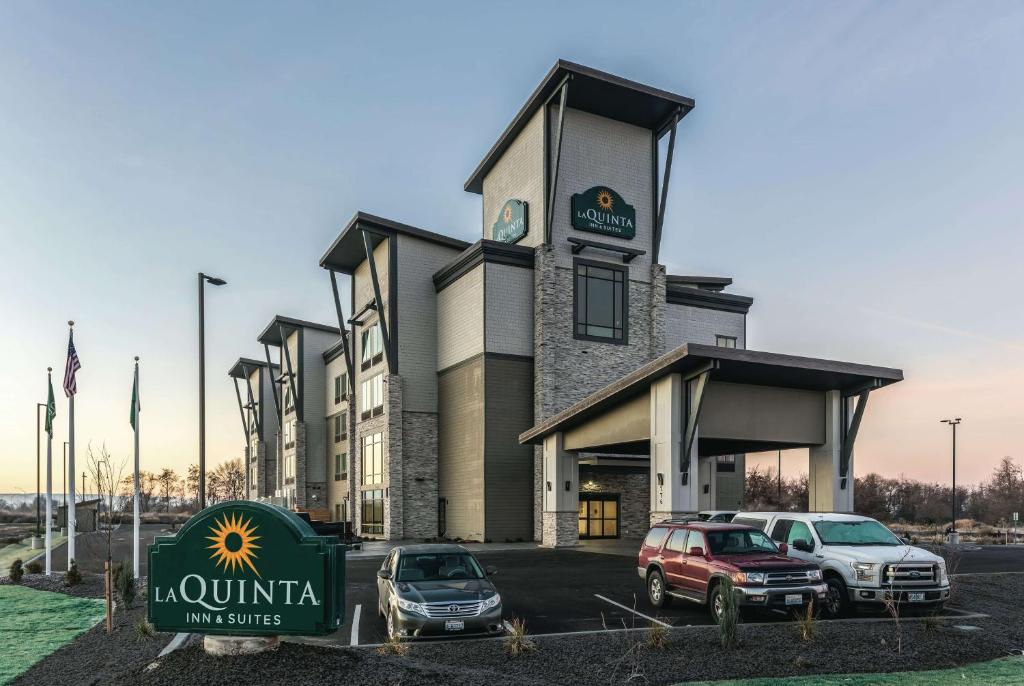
677	542
751	521
857	532
799	532
340	388
289	403
725	463
656	537
289	434
725	341
340	466
371	346
372	459
740	542
340	427
601	302
372	397
373	512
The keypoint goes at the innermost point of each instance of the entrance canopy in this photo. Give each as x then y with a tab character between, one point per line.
748	401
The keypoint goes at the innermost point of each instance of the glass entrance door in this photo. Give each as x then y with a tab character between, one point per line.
599	515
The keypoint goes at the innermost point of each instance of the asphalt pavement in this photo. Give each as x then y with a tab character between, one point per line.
91	548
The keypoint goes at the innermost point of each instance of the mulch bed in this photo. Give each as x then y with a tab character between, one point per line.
772	650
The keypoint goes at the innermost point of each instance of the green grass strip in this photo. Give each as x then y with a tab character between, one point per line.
23	550
1007	670
33	624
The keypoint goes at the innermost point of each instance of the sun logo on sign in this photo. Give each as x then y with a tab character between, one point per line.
507	216
605	200
234	543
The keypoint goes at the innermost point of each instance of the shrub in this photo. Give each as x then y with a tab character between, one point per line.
730	618
516	641
806	622
73	577
657	637
123	581
393	646
932	622
16	571
144	630
34	568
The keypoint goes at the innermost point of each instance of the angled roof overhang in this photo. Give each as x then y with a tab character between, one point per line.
591	91
348	250
271	335
728	365
244	366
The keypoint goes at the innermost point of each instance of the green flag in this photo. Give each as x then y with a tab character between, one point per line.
136	405
51	408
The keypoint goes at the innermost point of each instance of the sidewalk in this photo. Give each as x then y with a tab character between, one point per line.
626	547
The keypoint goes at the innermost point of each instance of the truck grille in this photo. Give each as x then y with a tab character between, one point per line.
908	575
788	578
470	608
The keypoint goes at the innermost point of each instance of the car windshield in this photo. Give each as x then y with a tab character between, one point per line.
740	542
863	532
437	567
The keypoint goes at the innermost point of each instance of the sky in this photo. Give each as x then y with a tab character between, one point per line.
855	167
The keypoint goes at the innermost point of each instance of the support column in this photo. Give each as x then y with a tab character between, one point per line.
669	495
825	490
561	494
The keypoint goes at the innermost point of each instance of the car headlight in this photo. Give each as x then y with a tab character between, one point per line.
753	578
814	575
493	601
943	574
410	606
865	571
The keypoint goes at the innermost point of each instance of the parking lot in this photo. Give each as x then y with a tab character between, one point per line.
569	591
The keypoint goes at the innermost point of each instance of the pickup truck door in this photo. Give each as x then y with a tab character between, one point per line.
790	530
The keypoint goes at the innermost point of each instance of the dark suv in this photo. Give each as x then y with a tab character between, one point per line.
689	560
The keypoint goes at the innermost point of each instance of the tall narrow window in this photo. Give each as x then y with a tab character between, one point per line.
601	302
372	400
372	459
340	427
373	512
340	387
371	346
340	466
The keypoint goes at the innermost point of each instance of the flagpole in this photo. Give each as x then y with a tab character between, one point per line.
71	520
135	519
49	476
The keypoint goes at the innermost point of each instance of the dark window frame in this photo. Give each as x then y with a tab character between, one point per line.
340	388
624	270
719	338
725	466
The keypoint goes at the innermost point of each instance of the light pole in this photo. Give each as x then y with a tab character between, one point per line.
203	279
38	463
85	478
954	537
778	475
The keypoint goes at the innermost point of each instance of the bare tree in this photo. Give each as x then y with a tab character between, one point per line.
168	480
226	481
107	473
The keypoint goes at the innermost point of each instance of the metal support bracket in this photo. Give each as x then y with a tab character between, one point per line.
693	408
257	409
564	87
270	373
380	301
291	373
241	412
850	434
663	199
344	334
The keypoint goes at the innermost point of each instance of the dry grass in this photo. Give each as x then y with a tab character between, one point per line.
144	630
932	622
657	637
393	646
806	622
517	642
730	619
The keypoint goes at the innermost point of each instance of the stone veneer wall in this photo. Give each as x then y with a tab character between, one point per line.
300	466
394	463
634	490
560	527
419	471
567	370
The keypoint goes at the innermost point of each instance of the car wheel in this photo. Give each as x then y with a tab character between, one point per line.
716	604
837	600
391	625
656	591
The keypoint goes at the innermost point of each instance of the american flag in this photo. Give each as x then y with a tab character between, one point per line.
73	365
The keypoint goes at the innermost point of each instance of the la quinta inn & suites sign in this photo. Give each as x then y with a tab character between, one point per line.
512	222
602	210
244	568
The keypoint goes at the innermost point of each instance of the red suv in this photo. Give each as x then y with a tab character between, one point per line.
688	560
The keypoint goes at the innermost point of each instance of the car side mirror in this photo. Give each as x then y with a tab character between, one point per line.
491	571
783	548
696	551
906	541
803	546
383	573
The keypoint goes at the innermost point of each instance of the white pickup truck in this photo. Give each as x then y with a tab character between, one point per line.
862	561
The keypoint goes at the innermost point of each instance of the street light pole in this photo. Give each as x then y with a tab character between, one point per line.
778	476
203	279
38	464
954	537
84	480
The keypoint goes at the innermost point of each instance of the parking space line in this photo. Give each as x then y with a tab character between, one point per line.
629	609
355	626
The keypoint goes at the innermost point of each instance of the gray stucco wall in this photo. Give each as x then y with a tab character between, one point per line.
460	319
509	310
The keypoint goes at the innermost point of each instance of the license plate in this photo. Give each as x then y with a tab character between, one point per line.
454	625
915	597
794	599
